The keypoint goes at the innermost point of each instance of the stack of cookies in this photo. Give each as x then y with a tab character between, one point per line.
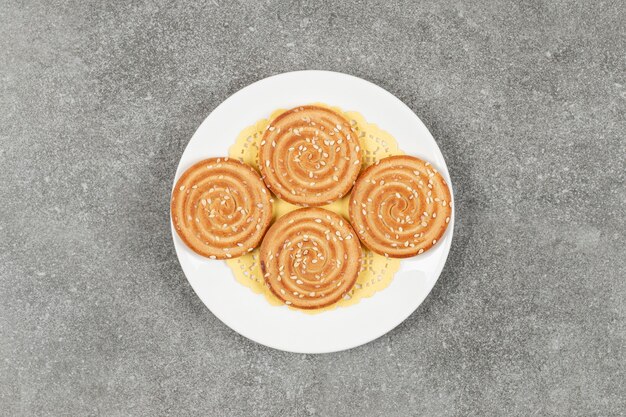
310	156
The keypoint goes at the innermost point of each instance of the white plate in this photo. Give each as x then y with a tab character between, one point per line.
250	314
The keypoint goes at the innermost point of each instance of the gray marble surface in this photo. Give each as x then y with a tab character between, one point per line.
527	100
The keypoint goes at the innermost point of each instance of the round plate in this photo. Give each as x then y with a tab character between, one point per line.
250	314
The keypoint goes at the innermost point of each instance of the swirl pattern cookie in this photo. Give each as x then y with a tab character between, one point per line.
221	208
400	206
309	156
310	258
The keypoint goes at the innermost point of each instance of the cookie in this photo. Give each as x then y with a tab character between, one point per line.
400	206
221	208
310	258
309	156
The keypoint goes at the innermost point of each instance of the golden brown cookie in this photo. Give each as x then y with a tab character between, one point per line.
310	258
221	208
310	156
400	206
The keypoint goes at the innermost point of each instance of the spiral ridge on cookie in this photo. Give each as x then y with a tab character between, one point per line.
400	206
220	208
310	258
310	156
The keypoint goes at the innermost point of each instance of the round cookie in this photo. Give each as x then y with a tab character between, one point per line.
310	258
220	208
400	206
309	156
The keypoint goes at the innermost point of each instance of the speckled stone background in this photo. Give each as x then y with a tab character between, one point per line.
527	100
